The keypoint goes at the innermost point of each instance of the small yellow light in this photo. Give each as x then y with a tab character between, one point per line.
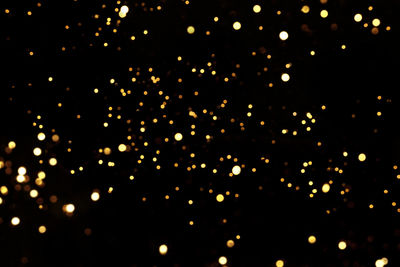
323	13
230	243
222	260
12	145
312	239
283	35
256	8
190	30
34	193
42	229
357	17
163	249
279	263
326	188
122	147
178	136
53	161
362	157
305	9
342	245
237	25
37	151
376	22
220	197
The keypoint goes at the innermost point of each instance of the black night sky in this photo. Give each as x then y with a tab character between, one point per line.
199	133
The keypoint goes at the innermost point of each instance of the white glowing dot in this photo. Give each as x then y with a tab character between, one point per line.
283	35
285	77
237	25
190	30
163	249
95	196
236	170
41	136
324	13
21	170
12	145
279	263
15	221
222	260
357	17
256	8
342	245
34	193
376	22
122	147
69	208
53	161
220	197
37	151
124	9
178	136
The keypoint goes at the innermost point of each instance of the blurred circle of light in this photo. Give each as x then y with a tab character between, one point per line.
283	35
178	136
21	170
15	221
236	170
285	77
342	245
237	25
223	260
256	8
163	249
37	151
190	30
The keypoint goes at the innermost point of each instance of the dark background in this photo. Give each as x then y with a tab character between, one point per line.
274	222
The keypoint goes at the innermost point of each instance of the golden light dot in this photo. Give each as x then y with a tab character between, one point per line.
305	9
362	157
69	208
42	229
279	263
283	35
41	136
312	239
190	30
376	22
342	245
122	147
285	77
95	196
326	188
220	197
236	170
37	151
12	145
256	8
178	136
222	260
21	170
236	25
55	138
163	249
230	243
357	17
323	13
53	161
15	221
34	193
